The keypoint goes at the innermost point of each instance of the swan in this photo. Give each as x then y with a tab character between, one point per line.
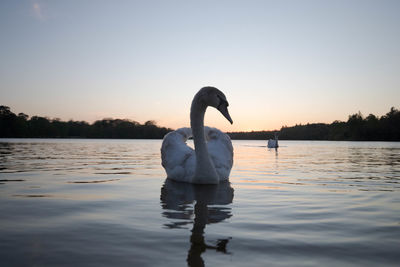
273	143
212	159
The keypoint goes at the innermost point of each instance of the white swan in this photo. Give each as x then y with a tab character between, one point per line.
273	143
212	159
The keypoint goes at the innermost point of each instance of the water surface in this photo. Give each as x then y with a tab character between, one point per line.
107	203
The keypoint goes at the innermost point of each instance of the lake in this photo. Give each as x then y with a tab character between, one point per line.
107	203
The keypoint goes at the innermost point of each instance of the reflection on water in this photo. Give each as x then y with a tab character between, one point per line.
93	182
69	156
97	203
330	166
210	206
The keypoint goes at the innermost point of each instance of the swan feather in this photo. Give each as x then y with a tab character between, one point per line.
179	160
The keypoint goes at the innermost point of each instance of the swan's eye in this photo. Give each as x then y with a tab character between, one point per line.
222	101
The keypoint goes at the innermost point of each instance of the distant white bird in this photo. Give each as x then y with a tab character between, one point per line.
212	159
273	143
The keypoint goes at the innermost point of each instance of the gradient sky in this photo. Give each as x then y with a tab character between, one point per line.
278	62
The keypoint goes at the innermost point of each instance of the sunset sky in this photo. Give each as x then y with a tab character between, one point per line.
278	62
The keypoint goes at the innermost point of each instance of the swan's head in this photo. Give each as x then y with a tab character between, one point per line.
213	97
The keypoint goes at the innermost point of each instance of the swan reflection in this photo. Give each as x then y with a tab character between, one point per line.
210	207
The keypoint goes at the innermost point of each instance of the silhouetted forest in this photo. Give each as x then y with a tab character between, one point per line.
12	125
357	127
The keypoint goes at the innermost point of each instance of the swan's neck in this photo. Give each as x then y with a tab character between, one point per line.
205	171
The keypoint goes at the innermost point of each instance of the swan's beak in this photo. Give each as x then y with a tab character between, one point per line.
224	110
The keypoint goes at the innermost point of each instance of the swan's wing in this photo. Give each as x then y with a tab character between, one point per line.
177	158
221	151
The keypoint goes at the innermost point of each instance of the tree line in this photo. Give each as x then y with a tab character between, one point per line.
21	126
357	127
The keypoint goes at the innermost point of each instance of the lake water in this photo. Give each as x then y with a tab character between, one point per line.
107	203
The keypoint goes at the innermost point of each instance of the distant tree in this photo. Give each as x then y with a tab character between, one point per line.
372	130
150	123
4	111
40	127
356	127
391	125
8	121
23	116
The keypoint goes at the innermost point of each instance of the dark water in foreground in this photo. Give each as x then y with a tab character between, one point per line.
106	203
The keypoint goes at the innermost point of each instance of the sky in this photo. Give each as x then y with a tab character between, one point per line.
278	62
